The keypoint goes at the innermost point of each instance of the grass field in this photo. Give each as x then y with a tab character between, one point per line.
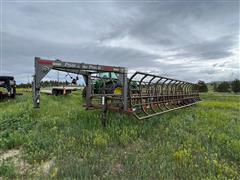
62	140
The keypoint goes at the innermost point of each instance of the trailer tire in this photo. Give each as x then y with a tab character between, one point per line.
54	92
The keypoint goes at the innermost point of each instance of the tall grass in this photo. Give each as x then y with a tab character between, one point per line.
202	141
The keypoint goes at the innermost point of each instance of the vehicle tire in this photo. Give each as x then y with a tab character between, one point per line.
54	92
109	87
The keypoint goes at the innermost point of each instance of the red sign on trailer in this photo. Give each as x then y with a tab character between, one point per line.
45	62
107	68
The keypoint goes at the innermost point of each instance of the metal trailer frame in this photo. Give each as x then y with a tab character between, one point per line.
43	66
143	95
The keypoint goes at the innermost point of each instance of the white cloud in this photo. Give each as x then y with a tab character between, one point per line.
189	41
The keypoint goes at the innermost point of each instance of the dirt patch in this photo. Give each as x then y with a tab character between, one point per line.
14	156
47	166
22	166
10	153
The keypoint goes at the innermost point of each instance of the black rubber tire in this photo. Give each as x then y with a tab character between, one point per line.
109	87
68	92
54	92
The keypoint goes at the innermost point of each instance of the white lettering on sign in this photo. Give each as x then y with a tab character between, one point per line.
70	65
92	67
57	64
116	69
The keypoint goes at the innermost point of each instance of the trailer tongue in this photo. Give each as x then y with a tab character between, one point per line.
143	95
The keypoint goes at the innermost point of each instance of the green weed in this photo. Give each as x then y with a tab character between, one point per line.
7	170
199	142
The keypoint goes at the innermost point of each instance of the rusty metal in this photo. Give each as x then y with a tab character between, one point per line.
159	95
143	95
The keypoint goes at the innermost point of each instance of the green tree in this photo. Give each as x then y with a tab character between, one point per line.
223	87
235	86
215	86
202	87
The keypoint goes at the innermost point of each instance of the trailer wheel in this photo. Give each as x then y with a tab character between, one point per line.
54	92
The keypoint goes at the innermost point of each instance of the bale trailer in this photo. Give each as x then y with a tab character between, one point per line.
108	88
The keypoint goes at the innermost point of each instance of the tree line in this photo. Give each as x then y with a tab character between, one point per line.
233	86
44	84
225	86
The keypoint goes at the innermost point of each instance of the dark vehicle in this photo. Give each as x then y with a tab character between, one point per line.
7	87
